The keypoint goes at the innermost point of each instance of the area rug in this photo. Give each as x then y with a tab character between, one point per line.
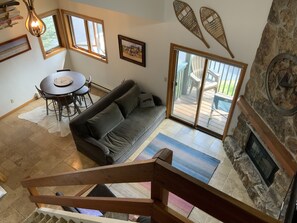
50	122
192	162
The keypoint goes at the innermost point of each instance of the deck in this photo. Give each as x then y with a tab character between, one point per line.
185	107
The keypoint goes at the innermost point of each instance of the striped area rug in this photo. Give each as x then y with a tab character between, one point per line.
193	162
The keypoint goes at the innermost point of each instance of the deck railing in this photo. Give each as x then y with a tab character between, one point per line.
163	178
229	76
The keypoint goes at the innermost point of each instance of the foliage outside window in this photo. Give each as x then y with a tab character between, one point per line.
86	35
51	42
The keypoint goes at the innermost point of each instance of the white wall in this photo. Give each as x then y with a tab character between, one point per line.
20	74
243	22
154	9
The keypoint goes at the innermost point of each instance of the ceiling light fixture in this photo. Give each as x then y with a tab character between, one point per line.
34	24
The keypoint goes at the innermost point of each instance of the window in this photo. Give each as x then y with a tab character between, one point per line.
51	42
85	35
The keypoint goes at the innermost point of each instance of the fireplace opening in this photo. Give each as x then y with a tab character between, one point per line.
261	159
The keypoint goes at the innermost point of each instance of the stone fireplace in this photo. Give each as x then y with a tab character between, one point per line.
276	132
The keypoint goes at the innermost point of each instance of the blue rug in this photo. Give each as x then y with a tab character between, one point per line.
192	162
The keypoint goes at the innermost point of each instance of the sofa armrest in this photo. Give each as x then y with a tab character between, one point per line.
98	144
157	100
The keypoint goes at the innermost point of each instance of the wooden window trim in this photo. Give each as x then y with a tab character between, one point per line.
60	34
70	35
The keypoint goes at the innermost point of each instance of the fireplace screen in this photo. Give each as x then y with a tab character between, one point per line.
261	159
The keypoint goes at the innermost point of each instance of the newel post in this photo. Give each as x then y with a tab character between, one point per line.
157	192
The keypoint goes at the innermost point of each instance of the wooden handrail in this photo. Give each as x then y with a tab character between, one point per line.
164	178
118	173
206	198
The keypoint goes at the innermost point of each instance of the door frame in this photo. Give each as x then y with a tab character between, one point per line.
171	79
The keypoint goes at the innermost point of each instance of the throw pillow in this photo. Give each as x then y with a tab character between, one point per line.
105	121
129	101
146	100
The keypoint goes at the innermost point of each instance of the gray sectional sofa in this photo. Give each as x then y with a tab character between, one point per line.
115	126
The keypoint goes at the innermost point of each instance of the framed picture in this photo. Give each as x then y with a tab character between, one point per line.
132	50
14	47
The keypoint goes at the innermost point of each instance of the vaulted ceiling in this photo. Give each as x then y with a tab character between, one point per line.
151	9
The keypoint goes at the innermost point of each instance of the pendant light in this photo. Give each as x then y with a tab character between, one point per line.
34	24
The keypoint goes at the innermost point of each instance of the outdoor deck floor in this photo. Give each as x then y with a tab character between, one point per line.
185	108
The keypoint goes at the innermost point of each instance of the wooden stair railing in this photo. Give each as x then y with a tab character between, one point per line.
163	178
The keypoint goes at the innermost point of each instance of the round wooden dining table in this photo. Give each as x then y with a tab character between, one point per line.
62	83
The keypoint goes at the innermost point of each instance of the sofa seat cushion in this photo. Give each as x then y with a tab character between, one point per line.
105	121
120	139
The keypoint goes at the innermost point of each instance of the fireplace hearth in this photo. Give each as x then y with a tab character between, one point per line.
261	159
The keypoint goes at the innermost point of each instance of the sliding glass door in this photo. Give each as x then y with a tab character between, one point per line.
203	90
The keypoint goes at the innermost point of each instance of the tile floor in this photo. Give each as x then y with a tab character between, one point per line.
29	150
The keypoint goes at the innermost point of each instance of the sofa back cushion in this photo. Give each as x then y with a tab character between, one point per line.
128	101
105	121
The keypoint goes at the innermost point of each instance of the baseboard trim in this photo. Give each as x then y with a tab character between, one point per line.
100	87
14	110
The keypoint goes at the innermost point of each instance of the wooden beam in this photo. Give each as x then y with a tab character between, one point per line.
208	199
138	171
137	206
281	154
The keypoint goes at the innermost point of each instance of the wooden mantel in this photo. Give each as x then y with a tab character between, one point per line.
281	154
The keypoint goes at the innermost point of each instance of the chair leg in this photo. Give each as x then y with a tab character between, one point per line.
54	105
46	105
76	107
68	111
210	116
60	113
90	98
191	87
84	99
78	98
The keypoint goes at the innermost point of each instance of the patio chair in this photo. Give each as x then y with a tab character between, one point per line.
221	104
211	81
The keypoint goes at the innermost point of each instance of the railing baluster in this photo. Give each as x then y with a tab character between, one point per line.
230	81
237	77
34	192
226	73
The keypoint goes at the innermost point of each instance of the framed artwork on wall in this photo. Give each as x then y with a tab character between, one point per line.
132	50
14	47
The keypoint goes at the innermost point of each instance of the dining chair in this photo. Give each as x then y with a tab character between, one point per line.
80	94
64	102
47	98
211	81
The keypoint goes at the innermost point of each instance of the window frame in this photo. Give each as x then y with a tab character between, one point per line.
60	34
71	37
